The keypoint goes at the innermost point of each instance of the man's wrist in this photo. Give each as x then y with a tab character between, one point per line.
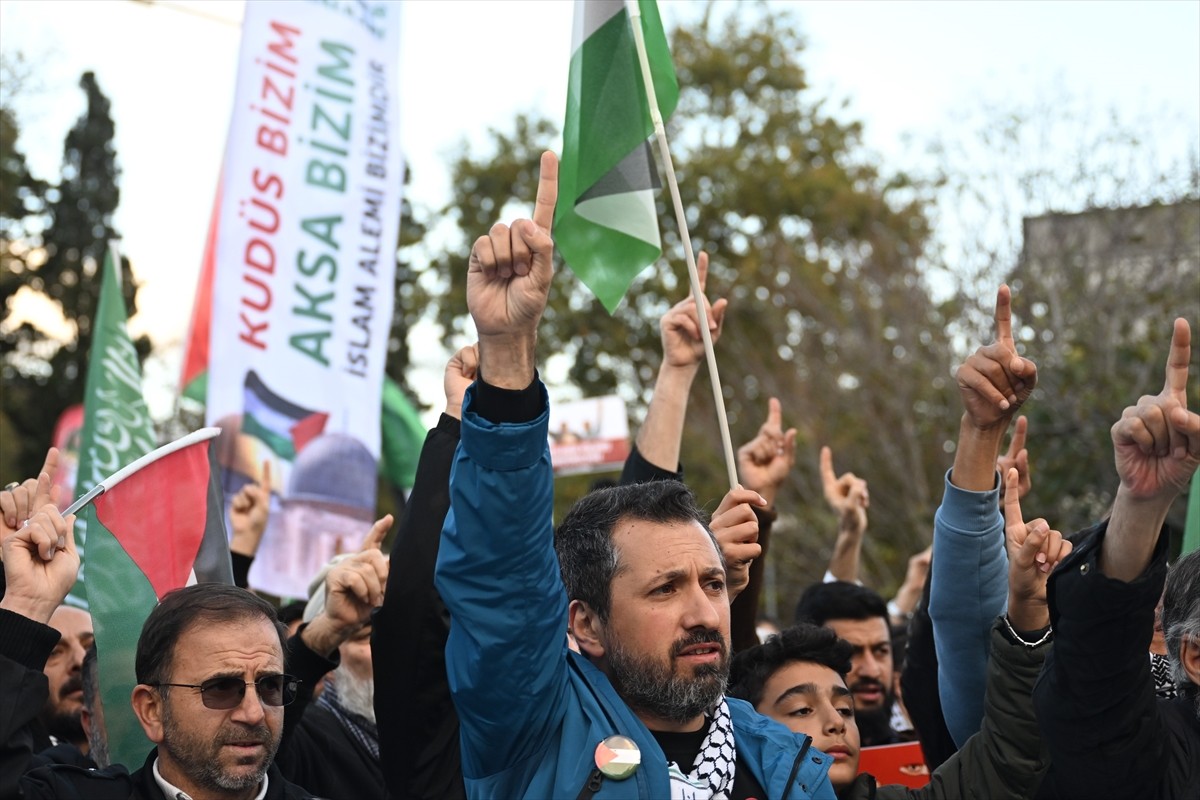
975	457
1028	616
324	635
685	373
1018	631
38	610
244	543
967	428
508	360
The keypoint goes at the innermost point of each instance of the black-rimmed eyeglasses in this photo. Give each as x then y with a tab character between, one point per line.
225	693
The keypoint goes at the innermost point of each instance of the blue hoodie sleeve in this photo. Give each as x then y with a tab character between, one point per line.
498	575
968	591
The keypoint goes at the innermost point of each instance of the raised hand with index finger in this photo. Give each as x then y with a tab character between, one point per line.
1034	550
19	501
354	586
1016	458
683	345
765	461
1156	442
508	283
847	494
40	564
995	380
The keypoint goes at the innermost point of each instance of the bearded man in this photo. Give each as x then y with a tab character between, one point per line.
640	711
211	683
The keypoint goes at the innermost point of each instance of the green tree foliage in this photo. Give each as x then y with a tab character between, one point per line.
1097	351
1102	248
410	299
819	253
65	248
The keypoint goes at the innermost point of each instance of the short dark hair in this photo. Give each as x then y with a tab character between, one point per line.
1181	611
181	610
822	602
583	541
752	668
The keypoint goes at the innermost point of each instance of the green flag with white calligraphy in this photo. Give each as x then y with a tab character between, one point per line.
116	423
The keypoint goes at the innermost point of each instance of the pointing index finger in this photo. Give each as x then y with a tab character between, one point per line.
775	416
50	465
374	538
702	269
827	475
1177	360
1012	499
547	192
1018	439
1003	314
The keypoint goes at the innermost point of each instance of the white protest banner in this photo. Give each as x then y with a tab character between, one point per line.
589	435
305	262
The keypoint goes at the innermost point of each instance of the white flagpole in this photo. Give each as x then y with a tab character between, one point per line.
660	133
115	252
124	472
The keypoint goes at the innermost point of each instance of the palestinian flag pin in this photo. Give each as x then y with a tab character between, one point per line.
618	757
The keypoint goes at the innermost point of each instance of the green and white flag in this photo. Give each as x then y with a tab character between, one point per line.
606	226
116	423
402	436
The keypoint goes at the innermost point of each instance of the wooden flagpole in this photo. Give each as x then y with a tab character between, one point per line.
660	133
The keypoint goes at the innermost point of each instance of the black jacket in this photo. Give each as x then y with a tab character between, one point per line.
24	647
418	726
316	751
1107	733
61	782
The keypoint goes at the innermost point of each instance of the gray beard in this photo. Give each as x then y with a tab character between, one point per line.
653	689
198	757
355	695
98	747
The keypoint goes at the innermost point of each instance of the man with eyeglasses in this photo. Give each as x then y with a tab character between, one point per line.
211	684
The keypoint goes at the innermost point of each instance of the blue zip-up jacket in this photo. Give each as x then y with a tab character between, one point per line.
969	589
531	711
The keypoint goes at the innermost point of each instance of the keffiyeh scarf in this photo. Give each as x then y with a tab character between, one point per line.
711	777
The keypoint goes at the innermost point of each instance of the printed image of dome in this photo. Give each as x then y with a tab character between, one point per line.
334	469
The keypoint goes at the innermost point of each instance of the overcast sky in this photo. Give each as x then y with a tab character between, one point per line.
902	67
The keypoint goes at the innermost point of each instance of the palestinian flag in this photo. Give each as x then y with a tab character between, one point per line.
606	225
154	526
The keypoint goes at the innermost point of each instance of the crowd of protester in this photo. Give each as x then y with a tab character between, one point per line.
492	654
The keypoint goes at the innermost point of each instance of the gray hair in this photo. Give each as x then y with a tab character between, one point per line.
1181	612
97	736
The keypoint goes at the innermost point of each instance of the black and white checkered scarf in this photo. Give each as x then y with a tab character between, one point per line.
717	760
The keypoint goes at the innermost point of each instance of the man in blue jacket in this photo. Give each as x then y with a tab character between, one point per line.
640	711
